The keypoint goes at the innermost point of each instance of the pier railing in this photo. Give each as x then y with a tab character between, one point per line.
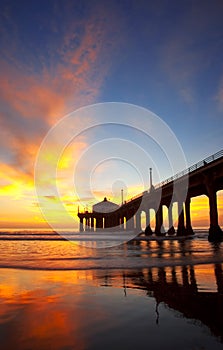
187	171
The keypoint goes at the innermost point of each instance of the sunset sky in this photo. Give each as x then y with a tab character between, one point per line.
58	56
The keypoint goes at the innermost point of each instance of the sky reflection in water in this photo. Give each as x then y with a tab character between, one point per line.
167	307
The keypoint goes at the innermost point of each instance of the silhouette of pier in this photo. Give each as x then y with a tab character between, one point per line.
203	178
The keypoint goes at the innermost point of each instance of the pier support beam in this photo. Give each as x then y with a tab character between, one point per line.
148	230
171	230
106	221
115	222
87	225
189	230
99	222
215	232
122	223
159	222
130	221
81	227
92	223
181	228
138	222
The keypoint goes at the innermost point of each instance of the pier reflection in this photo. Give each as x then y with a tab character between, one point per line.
177	288
107	309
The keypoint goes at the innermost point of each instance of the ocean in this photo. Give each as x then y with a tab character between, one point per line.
146	293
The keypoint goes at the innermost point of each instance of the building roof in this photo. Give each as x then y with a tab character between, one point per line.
105	206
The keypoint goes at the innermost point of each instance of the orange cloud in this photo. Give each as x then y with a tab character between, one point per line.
36	94
33	99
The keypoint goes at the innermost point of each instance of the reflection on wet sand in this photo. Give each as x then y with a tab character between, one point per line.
177	288
81	310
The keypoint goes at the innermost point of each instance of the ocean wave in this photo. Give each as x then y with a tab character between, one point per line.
114	265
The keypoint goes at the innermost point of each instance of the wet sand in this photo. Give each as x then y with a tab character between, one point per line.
156	308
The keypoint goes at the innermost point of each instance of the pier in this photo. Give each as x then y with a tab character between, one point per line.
203	178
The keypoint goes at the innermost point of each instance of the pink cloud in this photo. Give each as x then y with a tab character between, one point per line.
40	88
32	102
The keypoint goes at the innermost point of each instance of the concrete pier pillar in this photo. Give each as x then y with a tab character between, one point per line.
159	221
181	231
81	227
117	221
114	221
138	222
106	221
110	221
215	232
148	230
122	223
171	230
87	224
99	222
189	230
130	221
92	223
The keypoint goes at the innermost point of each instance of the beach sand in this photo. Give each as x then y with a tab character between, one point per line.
152	308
